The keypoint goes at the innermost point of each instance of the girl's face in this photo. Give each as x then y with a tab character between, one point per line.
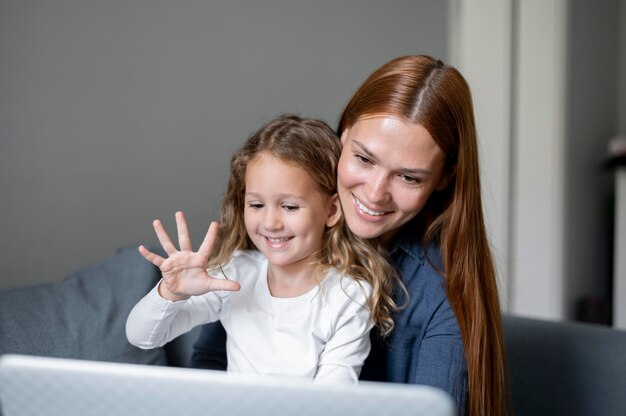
285	213
387	171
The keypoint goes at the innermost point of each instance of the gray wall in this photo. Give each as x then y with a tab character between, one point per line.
592	118
113	113
621	107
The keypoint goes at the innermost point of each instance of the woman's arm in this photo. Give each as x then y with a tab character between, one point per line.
209	351
441	357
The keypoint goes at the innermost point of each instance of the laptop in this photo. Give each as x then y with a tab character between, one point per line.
41	386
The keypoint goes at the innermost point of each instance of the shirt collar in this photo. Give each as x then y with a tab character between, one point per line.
409	241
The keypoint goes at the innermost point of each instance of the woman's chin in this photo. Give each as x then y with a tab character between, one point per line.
365	229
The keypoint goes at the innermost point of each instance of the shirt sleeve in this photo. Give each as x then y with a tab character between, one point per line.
349	343
154	321
441	358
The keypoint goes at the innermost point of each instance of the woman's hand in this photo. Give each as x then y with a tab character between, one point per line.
184	271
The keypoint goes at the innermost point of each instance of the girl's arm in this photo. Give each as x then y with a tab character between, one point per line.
154	321
349	343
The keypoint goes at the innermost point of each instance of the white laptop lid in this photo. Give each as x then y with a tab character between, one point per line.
38	386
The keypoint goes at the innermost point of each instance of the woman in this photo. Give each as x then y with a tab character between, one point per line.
409	180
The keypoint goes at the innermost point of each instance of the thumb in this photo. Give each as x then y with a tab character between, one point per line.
223	284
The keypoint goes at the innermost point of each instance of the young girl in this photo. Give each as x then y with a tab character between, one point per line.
295	290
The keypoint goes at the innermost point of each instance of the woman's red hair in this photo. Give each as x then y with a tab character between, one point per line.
422	90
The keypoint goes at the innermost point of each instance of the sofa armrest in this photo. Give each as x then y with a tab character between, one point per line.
565	368
83	316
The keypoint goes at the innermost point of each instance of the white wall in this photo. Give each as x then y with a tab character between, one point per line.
519	112
481	40
113	113
538	159
545	106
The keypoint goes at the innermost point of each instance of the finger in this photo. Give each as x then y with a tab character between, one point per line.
150	256
209	240
223	284
183	232
166	243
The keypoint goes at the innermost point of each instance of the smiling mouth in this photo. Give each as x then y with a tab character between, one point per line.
277	240
366	210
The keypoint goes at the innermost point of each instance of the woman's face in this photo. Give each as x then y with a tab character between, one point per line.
387	171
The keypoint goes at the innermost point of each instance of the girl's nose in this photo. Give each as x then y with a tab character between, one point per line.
271	220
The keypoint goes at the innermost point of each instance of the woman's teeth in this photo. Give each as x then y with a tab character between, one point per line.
367	210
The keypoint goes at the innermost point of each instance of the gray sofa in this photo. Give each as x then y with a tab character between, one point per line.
559	368
84	315
555	368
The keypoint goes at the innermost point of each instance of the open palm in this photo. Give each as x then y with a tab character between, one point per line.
184	271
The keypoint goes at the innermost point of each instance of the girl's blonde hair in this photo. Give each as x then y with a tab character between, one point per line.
422	90
313	146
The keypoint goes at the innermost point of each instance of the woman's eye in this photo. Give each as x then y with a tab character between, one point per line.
362	159
410	180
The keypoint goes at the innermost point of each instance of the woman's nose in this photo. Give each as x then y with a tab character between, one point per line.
378	188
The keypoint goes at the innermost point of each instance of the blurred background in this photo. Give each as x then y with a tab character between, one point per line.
115	113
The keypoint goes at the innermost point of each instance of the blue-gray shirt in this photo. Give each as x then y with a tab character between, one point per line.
425	346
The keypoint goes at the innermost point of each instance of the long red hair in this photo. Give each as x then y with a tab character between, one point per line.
422	90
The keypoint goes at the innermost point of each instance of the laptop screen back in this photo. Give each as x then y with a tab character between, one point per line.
37	386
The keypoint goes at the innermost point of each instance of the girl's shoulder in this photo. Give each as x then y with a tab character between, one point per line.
345	286
243	263
248	256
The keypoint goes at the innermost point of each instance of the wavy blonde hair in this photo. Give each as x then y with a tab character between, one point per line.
423	90
313	146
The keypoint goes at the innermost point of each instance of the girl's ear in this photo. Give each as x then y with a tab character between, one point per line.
334	212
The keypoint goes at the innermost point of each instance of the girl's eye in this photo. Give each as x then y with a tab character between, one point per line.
290	208
255	205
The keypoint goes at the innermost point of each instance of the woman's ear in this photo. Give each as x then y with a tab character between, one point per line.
445	180
334	212
344	134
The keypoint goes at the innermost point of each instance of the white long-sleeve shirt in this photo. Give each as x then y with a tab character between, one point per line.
323	334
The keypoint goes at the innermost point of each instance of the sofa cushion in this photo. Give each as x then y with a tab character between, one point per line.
83	316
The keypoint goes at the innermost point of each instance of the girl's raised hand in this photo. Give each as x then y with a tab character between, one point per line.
184	271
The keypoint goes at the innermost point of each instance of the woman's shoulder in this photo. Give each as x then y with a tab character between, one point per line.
422	273
412	244
420	268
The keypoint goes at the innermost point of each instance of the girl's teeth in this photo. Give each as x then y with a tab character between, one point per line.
277	240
